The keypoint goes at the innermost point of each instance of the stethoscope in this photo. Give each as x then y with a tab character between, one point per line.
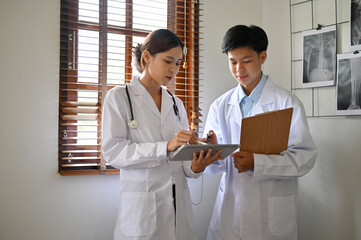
132	123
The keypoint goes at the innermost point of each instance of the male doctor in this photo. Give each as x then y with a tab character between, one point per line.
257	193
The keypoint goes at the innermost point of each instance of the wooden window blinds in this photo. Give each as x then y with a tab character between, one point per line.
96	40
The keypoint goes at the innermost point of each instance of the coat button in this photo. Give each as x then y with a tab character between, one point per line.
241	180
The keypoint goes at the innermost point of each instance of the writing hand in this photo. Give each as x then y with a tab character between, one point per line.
182	137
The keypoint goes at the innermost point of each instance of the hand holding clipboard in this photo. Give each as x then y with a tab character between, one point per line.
266	133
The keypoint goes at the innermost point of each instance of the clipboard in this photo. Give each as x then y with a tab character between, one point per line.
266	133
185	152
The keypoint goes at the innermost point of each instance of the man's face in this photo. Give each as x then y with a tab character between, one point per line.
245	66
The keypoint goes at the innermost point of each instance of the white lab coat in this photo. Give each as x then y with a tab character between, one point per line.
259	204
146	208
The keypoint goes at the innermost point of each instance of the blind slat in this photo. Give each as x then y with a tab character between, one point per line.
79	110
79	117
76	104
76	144
80	158
80	165
80	151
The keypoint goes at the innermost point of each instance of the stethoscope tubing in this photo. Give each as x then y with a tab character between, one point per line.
132	120
130	103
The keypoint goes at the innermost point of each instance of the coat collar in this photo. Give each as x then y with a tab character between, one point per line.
137	87
140	91
266	98
234	112
167	104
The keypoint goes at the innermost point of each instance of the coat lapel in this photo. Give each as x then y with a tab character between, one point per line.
234	113
265	103
139	91
167	105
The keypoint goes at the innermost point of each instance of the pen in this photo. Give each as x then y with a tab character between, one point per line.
207	137
202	143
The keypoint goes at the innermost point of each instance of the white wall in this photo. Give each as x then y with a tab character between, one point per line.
218	17
329	201
277	27
329	196
329	205
35	202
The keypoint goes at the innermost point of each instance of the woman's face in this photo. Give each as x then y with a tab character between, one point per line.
163	67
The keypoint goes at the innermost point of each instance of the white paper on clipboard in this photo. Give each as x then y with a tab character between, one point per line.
185	152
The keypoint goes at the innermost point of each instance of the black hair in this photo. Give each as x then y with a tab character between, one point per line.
244	36
158	41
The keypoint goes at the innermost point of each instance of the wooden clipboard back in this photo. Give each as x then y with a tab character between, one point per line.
266	133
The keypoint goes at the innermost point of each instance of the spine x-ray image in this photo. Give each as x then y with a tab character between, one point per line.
348	85
319	58
355	24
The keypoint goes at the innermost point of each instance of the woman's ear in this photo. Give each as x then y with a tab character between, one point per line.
146	56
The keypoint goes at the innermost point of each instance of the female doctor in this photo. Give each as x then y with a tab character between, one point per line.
142	124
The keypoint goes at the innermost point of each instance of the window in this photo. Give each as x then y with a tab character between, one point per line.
96	40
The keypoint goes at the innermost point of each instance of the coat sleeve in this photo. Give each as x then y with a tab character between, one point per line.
297	160
213	123
119	151
186	165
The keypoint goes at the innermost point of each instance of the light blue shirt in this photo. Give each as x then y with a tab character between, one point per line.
247	103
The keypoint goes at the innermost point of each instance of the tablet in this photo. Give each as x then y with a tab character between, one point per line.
185	152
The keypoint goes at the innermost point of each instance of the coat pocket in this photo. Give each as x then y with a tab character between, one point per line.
281	214
137	213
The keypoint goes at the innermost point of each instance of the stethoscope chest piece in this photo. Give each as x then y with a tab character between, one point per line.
133	123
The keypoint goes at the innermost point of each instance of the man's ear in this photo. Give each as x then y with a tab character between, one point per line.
263	56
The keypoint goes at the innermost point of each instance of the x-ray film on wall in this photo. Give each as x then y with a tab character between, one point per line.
355	25
319	57
348	84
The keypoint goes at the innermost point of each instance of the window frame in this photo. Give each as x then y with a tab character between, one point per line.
182	18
